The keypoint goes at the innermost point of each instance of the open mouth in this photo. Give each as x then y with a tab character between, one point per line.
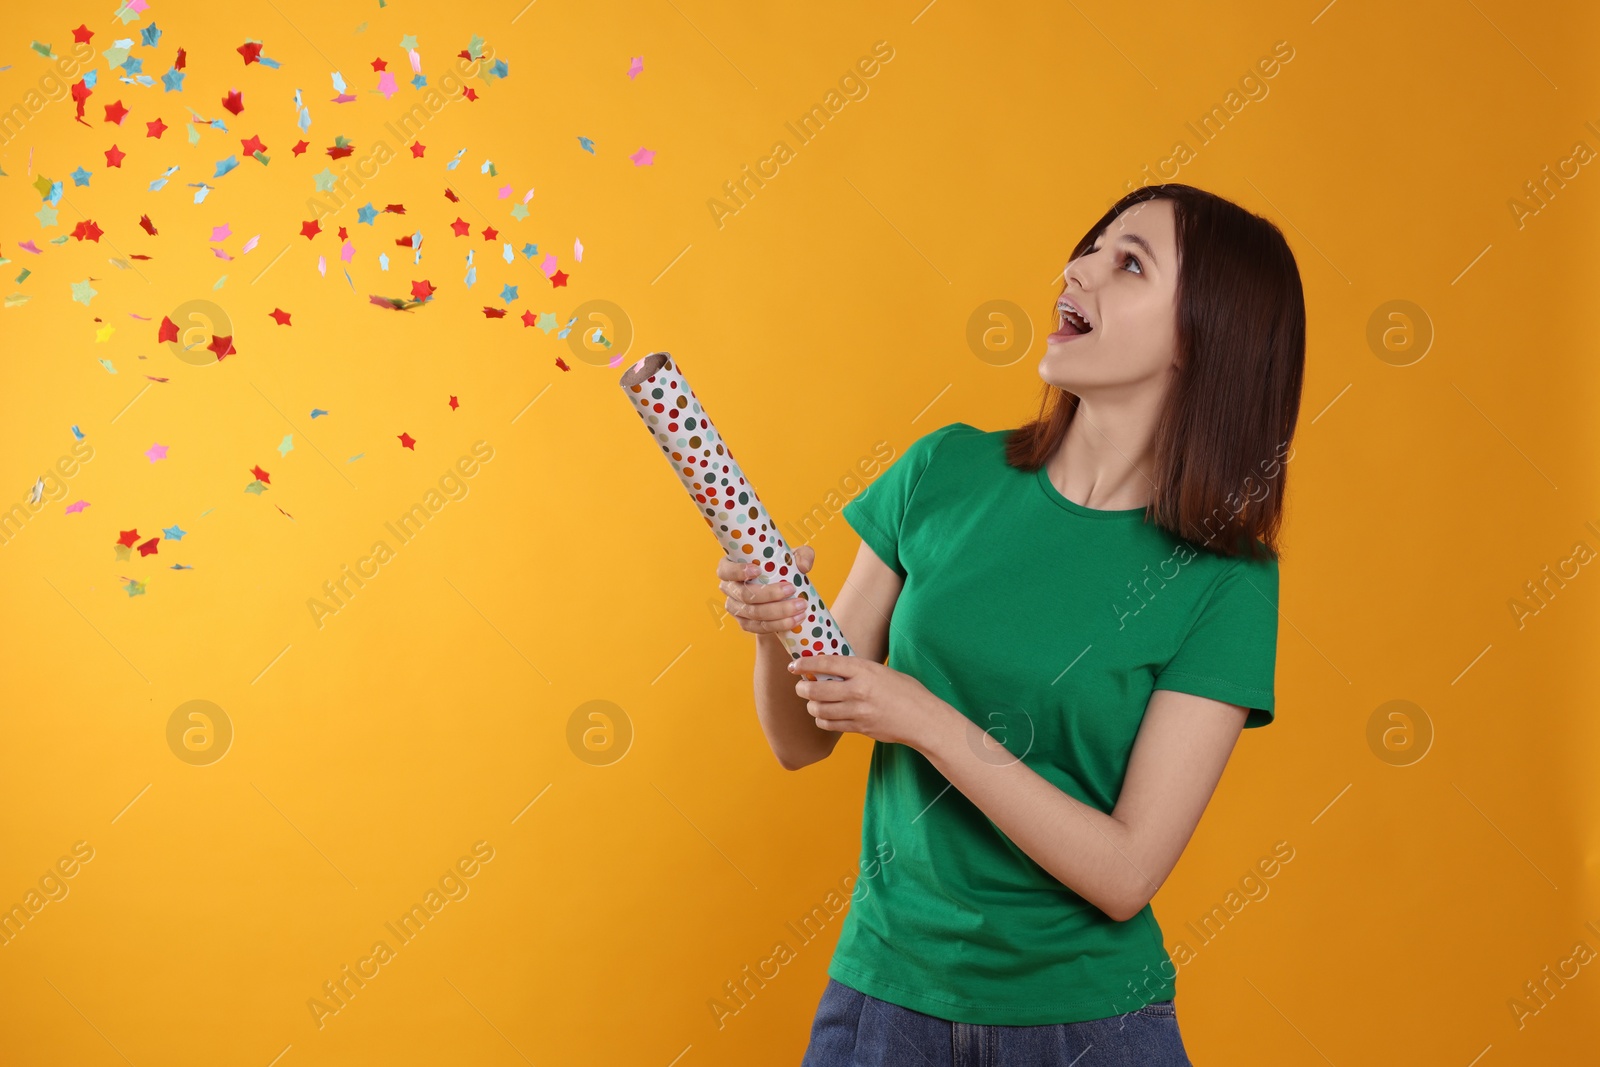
1070	320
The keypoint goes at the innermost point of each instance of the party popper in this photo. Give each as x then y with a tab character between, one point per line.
726	499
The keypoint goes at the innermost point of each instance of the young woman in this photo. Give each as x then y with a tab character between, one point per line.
1084	618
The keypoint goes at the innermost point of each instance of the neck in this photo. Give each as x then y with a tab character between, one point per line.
1105	460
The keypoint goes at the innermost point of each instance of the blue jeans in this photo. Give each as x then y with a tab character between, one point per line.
853	1029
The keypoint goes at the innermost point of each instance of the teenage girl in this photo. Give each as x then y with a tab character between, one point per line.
1084	618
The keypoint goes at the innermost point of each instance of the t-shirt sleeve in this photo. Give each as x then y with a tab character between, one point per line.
1231	652
877	513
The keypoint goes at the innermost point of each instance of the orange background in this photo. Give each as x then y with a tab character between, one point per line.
828	314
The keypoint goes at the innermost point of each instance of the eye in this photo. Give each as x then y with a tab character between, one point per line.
1127	257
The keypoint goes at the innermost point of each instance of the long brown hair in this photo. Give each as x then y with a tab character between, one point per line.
1221	437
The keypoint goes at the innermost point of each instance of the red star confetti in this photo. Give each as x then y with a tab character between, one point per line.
450	195
454	403
222	346
407	441
280	316
417	148
146	225
494	313
529	319
421	290
155	129
114	156
562	363
168	331
461	227
128	537
260	475
234	101
115	112
490	233
87	229
149	547
251	51
180	62
558	279
82	34
310	229
253	145
80	96
380	64
300	148
341	148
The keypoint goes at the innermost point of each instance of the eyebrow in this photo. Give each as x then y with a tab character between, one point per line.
1140	241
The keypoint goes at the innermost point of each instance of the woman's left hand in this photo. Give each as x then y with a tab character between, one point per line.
873	699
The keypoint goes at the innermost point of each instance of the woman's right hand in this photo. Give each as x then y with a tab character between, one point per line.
764	608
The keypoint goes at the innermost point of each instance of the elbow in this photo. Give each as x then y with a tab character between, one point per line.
792	764
1122	912
1128	906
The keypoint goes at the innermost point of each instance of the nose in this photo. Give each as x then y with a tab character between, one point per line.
1078	271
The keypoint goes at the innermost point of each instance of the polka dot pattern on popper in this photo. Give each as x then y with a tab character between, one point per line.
727	501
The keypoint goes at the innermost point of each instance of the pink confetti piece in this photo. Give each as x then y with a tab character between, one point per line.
505	191
30	247
322	266
221	254
635	67
248	245
645	157
577	249
220	233
76	506
549	264
386	84
348	252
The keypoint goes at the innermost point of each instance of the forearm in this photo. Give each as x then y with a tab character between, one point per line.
791	730
1083	848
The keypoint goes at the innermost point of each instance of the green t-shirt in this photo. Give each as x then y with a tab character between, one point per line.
1049	624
